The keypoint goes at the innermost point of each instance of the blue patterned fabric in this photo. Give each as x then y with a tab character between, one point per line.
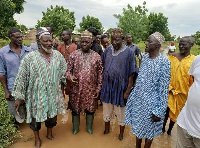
150	96
117	69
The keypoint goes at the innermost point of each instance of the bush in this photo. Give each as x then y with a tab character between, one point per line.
3	43
8	131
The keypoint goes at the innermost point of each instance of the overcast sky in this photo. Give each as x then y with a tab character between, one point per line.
183	15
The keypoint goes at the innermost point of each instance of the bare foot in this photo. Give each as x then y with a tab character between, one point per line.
120	137
50	137
38	143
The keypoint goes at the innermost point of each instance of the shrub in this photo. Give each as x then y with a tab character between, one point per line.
8	131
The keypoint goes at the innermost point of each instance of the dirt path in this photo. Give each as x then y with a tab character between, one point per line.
64	137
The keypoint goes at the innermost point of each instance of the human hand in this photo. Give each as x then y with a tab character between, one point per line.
96	95
126	94
8	96
73	80
155	118
18	102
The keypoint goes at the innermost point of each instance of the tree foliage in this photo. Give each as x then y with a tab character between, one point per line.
140	25
7	10
197	37
90	21
134	21
158	22
58	17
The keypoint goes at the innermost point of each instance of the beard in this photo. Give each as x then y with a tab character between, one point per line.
47	50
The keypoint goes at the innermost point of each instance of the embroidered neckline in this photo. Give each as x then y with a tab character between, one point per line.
118	52
84	60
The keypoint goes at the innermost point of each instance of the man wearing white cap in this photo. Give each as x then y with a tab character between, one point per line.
38	84
147	103
35	45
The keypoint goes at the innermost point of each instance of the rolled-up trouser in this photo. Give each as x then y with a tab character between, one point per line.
108	109
49	123
184	140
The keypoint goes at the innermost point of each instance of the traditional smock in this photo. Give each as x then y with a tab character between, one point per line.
117	69
38	82
87	68
149	96
180	83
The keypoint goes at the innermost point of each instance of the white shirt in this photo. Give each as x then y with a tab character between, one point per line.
189	117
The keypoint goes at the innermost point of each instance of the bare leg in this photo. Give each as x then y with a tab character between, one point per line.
49	134
148	143
121	132
165	120
171	125
37	139
107	127
138	142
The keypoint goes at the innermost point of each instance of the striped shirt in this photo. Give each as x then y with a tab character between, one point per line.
38	82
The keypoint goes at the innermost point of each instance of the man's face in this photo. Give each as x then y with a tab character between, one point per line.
65	36
16	38
116	42
151	44
98	37
46	41
86	43
184	45
76	41
129	39
105	42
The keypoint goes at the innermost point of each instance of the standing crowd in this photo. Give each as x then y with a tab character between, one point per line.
37	78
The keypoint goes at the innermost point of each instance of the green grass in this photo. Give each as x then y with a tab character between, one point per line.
195	50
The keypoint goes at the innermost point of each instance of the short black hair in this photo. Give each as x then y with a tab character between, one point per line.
191	39
68	31
93	30
103	36
51	28
129	34
13	30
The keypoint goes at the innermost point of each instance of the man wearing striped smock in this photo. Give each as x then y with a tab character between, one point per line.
38	84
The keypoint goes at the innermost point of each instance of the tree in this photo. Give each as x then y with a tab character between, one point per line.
58	17
7	10
90	21
22	27
197	37
158	22
134	21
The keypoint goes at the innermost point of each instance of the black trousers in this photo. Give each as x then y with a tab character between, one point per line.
49	123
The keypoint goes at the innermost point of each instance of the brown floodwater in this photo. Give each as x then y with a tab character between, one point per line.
63	137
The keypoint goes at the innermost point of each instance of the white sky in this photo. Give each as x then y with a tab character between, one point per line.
183	15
